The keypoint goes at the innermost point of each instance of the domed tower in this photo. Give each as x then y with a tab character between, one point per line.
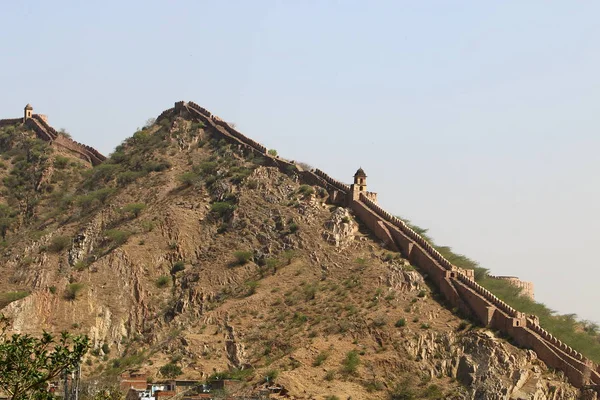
28	112
360	184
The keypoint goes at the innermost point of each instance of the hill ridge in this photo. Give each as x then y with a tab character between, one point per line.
456	285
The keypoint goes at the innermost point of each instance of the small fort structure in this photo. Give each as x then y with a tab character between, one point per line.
39	124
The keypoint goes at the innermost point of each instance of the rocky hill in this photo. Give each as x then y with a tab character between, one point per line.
191	246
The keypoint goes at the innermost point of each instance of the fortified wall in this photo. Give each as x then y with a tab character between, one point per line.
38	123
456	285
526	287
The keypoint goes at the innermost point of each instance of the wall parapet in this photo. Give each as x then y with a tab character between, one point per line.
45	132
333	182
10	121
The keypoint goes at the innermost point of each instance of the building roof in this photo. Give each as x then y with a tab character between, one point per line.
28	107
360	172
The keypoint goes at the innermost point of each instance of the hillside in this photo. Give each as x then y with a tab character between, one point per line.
191	246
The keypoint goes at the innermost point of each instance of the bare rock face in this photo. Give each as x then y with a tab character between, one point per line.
487	367
404	278
340	228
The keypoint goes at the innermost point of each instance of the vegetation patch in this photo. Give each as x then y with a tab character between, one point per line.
9	297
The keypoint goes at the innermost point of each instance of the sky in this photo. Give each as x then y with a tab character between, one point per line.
477	120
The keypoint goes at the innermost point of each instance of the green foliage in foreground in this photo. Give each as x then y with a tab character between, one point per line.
583	336
28	363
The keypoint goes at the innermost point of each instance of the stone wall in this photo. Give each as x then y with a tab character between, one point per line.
13	121
48	133
526	287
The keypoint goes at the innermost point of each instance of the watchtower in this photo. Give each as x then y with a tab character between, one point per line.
360	184
28	112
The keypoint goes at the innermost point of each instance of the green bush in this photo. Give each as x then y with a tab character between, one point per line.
117	237
170	370
272	152
271	375
222	208
242	257
72	290
163	281
59	243
178	266
252	286
188	179
351	362
135	209
61	162
294	227
400	323
306	190
320	359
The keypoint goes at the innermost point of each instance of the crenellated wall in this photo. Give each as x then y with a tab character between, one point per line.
456	285
38	123
526	287
12	121
48	133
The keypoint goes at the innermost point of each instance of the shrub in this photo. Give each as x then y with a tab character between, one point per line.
242	257
400	323
178	266
170	370
222	208
272	152
127	177
135	209
188	179
332	397
72	290
105	348
306	190
162	281
252	286
59	243
293	227
351	362
320	359
61	162
117	237
422	293
52	289
330	375
271	375
288	256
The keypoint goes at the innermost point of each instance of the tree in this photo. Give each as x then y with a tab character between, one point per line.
170	370
28	363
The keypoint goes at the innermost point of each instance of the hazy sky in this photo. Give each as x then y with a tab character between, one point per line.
479	120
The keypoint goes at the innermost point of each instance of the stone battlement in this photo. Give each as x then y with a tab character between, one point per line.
526	287
39	124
